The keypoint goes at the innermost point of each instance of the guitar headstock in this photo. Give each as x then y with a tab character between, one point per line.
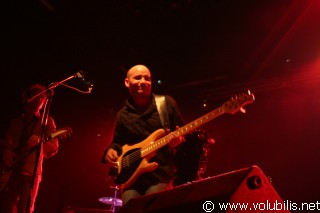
238	102
62	133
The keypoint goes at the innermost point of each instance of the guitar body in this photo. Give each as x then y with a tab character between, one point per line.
132	162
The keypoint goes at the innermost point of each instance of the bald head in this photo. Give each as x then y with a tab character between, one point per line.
138	69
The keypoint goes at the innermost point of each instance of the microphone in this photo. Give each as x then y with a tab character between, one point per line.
84	82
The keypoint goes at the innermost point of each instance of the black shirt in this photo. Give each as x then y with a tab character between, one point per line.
133	127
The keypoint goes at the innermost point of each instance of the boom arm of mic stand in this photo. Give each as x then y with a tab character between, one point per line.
51	86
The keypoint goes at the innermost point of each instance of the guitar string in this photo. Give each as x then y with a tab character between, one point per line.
132	157
136	155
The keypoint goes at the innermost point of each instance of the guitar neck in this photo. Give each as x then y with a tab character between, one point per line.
198	122
182	131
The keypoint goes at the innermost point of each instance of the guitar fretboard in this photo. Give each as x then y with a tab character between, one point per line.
182	131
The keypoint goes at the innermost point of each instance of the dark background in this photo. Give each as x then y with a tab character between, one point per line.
199	52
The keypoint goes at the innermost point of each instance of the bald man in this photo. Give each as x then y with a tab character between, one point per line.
136	121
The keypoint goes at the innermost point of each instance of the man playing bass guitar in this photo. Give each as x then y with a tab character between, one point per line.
138	118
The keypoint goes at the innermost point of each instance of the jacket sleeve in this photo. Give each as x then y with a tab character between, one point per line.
116	142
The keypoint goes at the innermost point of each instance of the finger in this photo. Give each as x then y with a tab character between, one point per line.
111	158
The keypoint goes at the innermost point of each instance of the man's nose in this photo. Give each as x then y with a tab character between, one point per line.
143	80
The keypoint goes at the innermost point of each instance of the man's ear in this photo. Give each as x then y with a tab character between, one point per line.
126	82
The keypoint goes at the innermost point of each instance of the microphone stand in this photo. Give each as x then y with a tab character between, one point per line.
44	119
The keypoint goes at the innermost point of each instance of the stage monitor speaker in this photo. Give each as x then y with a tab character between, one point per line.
244	186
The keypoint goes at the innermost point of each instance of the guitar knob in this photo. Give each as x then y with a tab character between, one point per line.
242	110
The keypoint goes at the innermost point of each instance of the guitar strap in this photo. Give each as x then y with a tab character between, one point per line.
162	110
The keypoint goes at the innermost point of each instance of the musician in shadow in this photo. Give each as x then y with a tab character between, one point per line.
21	175
141	116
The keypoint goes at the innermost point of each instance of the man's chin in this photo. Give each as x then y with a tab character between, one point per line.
143	92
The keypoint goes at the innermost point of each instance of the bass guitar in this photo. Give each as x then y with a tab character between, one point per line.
134	159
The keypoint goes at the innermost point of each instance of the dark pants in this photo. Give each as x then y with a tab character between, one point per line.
14	197
131	193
